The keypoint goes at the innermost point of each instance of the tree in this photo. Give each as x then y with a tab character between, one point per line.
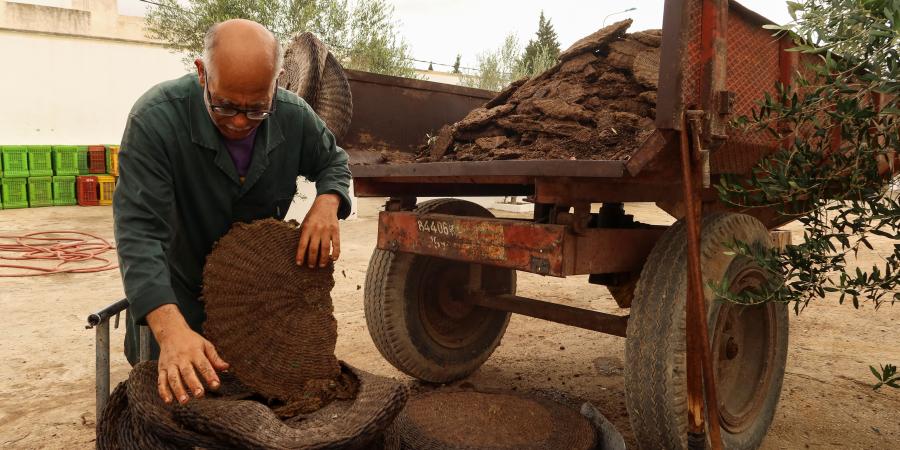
430	66
362	34
541	53
497	68
840	132
456	63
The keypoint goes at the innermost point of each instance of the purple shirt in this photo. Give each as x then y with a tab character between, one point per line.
241	151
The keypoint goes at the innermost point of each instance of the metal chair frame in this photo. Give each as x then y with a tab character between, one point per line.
99	321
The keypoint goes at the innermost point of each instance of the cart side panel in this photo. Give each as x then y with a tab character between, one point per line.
394	113
753	64
753	68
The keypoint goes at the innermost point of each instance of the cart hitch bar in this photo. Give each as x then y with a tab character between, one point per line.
553	312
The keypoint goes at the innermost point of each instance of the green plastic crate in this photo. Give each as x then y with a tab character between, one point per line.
15	193
83	167
65	160
40	191
40	161
15	161
64	191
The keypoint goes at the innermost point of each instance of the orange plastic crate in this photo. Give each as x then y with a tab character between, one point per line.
97	159
86	190
107	187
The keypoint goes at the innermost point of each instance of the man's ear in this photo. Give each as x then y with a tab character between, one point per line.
201	71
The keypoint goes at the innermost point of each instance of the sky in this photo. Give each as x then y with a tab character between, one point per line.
438	30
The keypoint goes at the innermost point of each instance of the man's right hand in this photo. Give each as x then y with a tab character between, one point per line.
182	355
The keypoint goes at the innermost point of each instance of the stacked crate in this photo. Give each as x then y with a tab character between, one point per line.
14	184
15	161
87	190
60	175
15	193
112	160
106	185
103	165
97	159
64	191
40	191
65	160
83	168
40	161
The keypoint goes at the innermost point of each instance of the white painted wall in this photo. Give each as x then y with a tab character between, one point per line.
74	90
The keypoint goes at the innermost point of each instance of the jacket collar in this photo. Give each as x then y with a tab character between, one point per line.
205	134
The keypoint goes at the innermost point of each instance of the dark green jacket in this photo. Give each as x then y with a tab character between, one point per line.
179	192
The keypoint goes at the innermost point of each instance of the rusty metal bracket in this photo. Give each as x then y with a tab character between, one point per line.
540	266
546	249
698	153
578	219
725	102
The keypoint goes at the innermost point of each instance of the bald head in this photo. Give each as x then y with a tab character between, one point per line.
242	49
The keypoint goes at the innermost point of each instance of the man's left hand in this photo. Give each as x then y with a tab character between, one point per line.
320	235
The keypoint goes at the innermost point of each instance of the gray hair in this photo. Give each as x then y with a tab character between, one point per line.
209	46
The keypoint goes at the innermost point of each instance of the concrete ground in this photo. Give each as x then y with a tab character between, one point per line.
46	374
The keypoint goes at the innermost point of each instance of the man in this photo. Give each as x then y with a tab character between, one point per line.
199	153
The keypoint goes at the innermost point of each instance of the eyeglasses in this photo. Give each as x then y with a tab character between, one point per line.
228	111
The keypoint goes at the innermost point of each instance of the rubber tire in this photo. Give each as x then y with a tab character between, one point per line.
655	364
392	312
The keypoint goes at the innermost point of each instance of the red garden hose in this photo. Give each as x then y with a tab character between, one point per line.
66	247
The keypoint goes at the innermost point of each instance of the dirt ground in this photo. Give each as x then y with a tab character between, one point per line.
46	374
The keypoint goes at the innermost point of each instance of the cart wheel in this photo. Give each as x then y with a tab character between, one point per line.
416	313
749	343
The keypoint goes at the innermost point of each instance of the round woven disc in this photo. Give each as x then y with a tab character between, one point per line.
113	418
457	420
343	424
156	421
269	318
313	73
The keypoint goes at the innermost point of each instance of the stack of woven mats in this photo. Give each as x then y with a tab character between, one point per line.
273	322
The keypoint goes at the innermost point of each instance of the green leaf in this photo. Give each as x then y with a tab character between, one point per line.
876	373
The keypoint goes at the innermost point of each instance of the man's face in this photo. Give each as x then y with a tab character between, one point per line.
229	103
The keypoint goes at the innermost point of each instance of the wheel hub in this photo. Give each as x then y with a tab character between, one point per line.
452	301
744	354
444	310
731	349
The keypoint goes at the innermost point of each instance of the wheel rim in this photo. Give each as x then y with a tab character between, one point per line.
444	312
744	353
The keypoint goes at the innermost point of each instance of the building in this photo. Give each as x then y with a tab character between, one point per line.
70	75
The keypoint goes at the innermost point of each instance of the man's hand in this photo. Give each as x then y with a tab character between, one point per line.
320	235
182	354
